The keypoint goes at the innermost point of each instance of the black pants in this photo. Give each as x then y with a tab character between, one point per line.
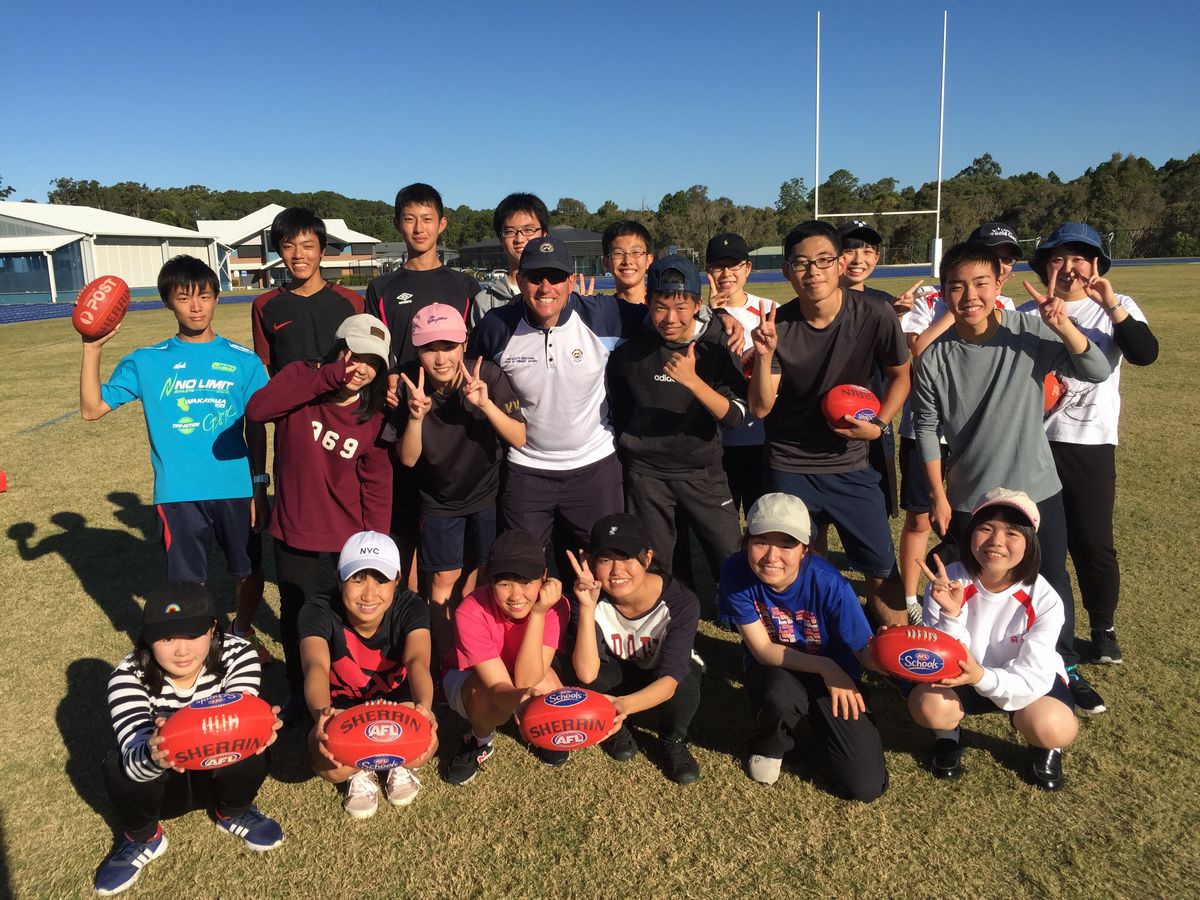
140	804
705	500
1052	537
620	677
853	750
1088	473
296	571
744	469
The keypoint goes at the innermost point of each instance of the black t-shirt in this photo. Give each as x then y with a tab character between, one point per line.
288	328
395	298
811	361
362	669
459	469
660	640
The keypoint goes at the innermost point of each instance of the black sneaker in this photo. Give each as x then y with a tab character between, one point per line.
1105	648
1047	769
679	765
552	758
621	746
947	757
1087	701
466	762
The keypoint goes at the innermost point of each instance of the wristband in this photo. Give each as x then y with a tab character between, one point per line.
264	480
879	423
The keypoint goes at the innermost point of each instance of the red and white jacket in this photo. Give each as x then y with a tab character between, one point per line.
1011	634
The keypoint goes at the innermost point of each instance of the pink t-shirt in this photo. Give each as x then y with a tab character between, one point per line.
483	632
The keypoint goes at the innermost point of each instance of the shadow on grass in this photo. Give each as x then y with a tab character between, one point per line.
83	721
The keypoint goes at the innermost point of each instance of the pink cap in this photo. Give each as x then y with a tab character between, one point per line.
1018	500
438	322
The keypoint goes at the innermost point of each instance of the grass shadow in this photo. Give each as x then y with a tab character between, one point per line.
83	722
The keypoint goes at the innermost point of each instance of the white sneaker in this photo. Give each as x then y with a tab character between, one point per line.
362	795
402	786
916	613
764	769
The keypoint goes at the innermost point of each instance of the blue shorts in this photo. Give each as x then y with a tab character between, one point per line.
442	540
853	503
188	529
914	483
975	704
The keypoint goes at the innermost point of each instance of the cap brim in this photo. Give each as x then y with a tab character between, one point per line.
455	336
184	628
766	526
988	504
524	568
364	346
354	566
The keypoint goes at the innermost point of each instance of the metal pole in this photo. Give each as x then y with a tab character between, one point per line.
936	249
817	153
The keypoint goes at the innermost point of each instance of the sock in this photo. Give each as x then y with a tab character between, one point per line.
483	740
950	734
911	600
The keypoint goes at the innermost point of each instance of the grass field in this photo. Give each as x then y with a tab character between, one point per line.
80	554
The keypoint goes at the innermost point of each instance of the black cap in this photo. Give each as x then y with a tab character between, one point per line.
517	553
996	234
546	253
861	230
621	532
726	246
182	609
672	275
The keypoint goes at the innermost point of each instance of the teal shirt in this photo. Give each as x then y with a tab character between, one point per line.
194	398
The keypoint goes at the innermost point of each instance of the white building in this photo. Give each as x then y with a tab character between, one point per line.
48	252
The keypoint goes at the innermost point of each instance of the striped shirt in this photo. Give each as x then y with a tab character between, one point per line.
133	710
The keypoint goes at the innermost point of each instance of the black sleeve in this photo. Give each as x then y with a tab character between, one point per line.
620	398
1136	341
316	619
411	614
675	658
725	377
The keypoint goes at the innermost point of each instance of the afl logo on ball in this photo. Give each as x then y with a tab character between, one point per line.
222	759
384	732
565	697
568	739
921	662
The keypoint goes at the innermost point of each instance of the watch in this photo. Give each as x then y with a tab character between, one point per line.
879	423
264	480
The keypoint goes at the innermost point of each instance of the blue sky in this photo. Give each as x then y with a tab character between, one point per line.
621	101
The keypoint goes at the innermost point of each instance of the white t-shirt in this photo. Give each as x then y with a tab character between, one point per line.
1089	413
750	433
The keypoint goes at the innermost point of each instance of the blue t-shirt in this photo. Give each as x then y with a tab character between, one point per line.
818	613
194	397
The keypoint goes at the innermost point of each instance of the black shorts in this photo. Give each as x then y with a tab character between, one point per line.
188	529
914	483
443	539
975	704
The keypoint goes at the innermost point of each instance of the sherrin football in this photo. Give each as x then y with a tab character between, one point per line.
217	731
378	735
1053	389
849	400
567	719
918	654
100	307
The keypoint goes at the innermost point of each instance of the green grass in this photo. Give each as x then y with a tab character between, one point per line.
81	553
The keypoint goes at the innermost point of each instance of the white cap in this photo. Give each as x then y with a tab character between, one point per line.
367	336
369	550
780	512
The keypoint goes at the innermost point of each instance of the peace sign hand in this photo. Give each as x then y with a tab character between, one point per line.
587	588
716	299
1099	289
1051	308
474	388
904	302
765	338
946	594
418	403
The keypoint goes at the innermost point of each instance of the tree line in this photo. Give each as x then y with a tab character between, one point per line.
1148	211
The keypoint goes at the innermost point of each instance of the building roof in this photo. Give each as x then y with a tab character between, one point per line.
563	233
36	244
232	232
88	220
777	250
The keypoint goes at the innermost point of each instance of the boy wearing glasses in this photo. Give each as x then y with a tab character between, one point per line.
627	255
518	219
801	351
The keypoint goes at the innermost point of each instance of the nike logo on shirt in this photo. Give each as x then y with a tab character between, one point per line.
281	324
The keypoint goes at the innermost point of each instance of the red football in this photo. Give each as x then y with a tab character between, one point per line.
217	731
849	400
101	306
378	735
567	719
918	654
1053	389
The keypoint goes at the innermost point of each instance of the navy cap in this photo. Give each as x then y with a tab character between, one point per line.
726	246
673	275
1070	233
861	230
546	253
996	234
621	532
177	610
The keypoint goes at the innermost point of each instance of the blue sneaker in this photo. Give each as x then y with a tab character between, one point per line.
124	865
261	833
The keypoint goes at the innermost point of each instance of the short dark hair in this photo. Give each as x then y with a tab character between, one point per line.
965	254
293	221
1041	257
418	194
806	230
856	243
1026	571
186	272
520	203
151	674
623	228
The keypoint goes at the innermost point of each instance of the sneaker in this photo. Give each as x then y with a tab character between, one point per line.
362	795
621	746
552	758
466	762
124	865
259	832
1087	701
947	756
1047	769
402	786
1105	648
764	769
679	764
915	613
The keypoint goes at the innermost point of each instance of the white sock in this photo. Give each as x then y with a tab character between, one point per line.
950	734
483	740
910	601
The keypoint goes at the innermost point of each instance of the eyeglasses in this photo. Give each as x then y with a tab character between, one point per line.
527	232
725	267
804	265
551	275
622	255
